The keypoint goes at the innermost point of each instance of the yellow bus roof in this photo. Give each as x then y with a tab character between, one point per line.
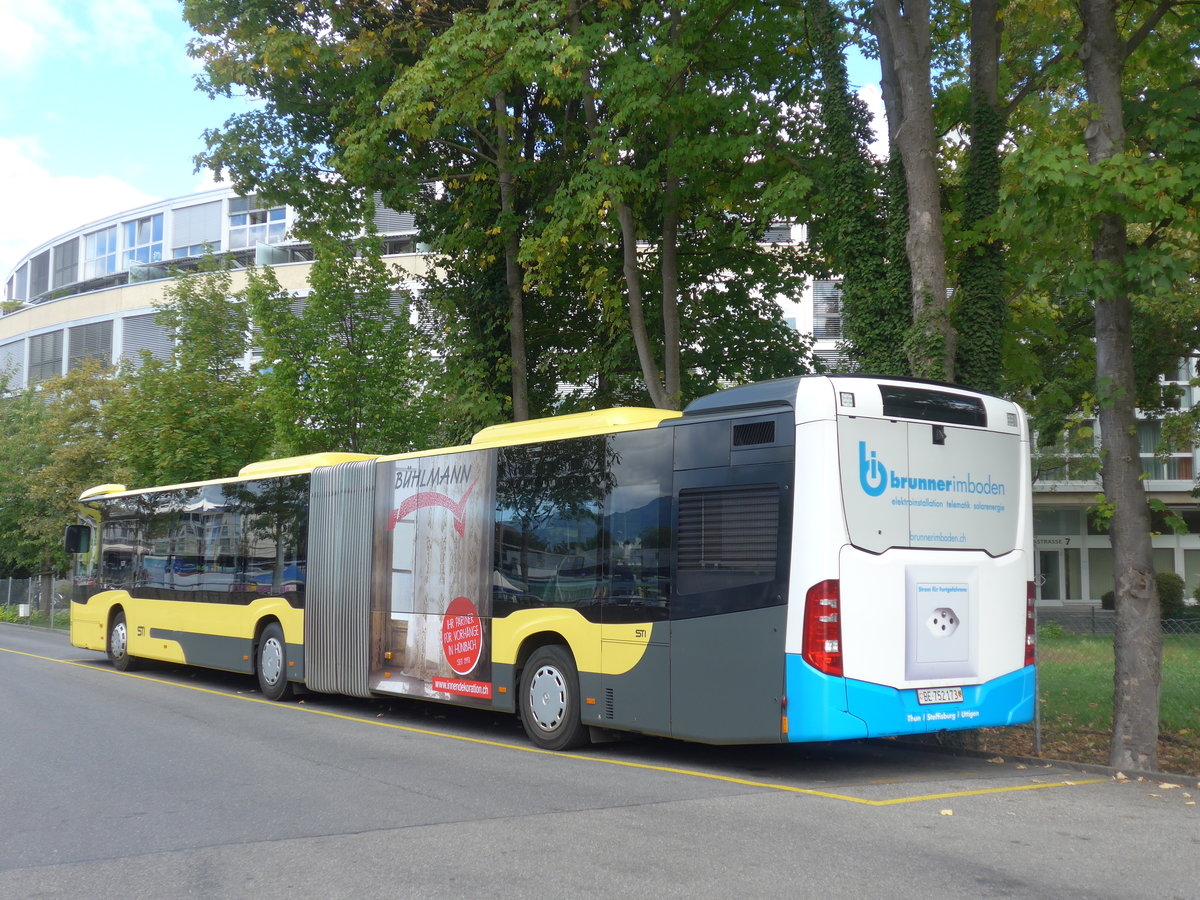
584	424
295	465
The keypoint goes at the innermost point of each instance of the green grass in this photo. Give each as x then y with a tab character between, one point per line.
1075	674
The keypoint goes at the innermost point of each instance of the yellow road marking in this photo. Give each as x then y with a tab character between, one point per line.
522	748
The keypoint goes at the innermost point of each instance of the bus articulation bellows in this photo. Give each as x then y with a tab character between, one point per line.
807	559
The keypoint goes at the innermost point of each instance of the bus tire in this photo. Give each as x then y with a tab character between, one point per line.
550	700
118	644
271	663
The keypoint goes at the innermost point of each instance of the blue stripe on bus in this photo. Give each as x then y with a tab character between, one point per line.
825	708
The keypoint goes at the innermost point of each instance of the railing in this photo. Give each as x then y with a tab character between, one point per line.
40	601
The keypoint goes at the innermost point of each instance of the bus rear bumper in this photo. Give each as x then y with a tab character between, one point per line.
825	708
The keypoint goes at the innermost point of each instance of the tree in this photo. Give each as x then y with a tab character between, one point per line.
852	229
1109	284
1138	644
197	414
342	368
568	144
23	451
78	453
902	31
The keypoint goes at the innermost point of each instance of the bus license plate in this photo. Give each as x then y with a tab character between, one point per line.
939	695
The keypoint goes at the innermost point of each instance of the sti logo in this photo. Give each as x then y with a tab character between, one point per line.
872	476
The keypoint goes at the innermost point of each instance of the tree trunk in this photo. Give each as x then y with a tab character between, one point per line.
903	36
1138	643
513	282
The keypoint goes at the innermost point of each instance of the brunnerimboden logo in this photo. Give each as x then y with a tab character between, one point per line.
871	474
874	478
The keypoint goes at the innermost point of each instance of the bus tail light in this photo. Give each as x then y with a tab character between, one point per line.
1030	623
822	645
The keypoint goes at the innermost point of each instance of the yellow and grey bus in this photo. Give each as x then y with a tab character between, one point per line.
805	559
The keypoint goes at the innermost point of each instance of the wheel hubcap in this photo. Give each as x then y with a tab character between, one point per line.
118	640
270	660
547	698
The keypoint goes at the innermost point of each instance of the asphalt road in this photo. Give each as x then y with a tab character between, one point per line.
182	783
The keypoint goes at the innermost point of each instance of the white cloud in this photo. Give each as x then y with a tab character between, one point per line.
872	95
36	206
30	32
36	33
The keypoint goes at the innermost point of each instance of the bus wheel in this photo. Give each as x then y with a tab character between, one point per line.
272	663
550	700
118	644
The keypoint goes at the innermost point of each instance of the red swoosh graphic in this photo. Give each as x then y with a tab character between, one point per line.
432	498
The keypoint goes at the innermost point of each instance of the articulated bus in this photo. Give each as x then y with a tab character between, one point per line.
808	559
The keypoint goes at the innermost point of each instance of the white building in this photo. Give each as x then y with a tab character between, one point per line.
89	292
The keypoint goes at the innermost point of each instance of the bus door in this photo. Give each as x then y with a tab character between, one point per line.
635	588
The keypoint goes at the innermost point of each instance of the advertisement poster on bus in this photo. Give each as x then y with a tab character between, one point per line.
940	487
432	638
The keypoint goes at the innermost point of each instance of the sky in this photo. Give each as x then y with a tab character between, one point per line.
99	113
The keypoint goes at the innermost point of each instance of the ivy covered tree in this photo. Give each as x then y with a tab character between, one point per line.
852	228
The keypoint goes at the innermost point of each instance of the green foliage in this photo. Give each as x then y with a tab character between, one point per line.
980	312
24	448
852	231
198	414
346	371
1050	630
564	137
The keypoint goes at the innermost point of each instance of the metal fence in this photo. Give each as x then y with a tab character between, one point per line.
1094	620
40	601
1075	692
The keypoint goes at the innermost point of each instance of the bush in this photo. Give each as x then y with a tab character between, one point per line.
1170	594
1051	630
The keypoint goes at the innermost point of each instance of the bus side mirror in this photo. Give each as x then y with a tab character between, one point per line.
78	539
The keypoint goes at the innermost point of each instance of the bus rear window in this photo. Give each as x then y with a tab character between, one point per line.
932	406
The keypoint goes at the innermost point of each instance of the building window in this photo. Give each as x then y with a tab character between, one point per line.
66	263
1165	466
21	291
250	225
143	241
92	341
12	364
196	228
39	274
45	356
100	252
827	310
140	333
1071	456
